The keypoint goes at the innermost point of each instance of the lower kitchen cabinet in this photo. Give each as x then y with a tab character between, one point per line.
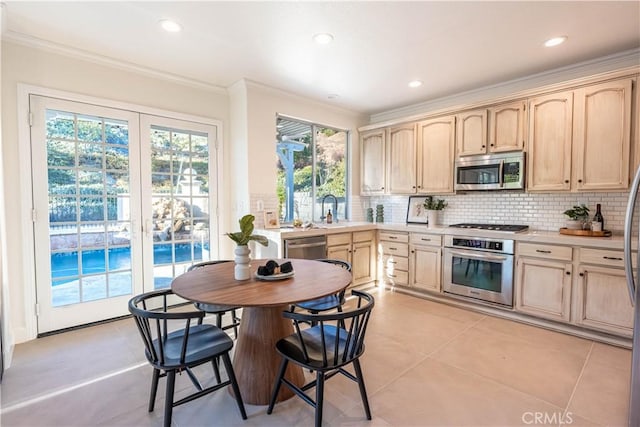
543	285
357	248
394	253
425	261
602	300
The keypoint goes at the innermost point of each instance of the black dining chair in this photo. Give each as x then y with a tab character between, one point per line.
218	309
330	302
176	341
325	348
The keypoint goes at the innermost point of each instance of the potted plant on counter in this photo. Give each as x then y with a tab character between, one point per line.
433	206
578	216
242	238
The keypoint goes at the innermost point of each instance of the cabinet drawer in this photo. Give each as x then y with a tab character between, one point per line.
545	251
393	248
426	239
390	262
338	239
394	237
397	277
362	236
605	257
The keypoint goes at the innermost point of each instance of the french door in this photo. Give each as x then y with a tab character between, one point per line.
122	203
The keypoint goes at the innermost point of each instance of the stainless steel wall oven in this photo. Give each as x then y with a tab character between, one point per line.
479	268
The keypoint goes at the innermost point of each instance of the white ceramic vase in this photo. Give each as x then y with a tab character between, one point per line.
432	217
242	270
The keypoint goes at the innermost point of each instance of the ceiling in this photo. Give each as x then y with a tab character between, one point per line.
378	47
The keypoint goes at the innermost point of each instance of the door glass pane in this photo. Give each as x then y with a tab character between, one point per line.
180	201
87	165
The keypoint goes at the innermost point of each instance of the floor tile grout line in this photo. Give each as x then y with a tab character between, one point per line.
575	387
47	396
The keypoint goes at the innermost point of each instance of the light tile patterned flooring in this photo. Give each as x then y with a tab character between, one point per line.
426	364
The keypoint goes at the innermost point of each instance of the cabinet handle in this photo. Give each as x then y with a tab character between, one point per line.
392	262
419	186
413	186
579	180
543	252
581	274
425	240
492	145
568	273
393	249
566	181
413	252
392	275
393	237
483	146
612	258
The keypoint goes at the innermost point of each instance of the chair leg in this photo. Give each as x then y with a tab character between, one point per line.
234	319
319	397
234	383
216	369
219	320
154	389
168	401
277	384
363	390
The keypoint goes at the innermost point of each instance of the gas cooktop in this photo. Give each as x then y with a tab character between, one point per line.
506	228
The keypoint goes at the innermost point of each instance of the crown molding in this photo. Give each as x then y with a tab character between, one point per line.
38	43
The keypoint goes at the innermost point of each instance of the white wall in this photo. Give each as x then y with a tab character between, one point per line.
21	64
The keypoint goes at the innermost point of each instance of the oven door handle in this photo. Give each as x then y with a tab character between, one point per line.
479	256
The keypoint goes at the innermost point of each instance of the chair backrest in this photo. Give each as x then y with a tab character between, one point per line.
341	334
155	323
205	263
338	262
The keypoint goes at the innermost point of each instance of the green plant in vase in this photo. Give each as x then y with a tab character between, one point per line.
433	206
578	216
242	238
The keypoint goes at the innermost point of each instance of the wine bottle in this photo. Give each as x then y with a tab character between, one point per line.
598	216
329	217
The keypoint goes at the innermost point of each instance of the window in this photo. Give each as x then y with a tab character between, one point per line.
312	170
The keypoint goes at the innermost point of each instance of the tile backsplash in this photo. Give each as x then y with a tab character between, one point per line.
539	211
542	212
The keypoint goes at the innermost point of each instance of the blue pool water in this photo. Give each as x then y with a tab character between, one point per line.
65	266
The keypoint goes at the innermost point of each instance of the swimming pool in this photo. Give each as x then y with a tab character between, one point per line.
66	266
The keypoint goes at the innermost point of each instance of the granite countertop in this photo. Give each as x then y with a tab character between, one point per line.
532	236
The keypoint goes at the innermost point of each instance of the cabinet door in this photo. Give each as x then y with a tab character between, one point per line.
372	167
362	265
436	151
471	135
506	127
342	252
602	301
550	130
543	288
401	159
424	266
602	134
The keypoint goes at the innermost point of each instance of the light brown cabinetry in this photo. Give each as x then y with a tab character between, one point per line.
401	159
372	158
357	248
601	297
436	155
543	281
507	127
471	135
425	261
394	255
580	140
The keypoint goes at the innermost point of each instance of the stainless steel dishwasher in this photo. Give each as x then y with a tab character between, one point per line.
306	247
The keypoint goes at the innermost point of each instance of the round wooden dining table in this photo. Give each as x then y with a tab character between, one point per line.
255	360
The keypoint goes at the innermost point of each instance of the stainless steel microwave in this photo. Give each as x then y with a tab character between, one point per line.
504	171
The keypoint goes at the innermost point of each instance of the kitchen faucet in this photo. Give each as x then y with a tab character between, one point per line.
335	208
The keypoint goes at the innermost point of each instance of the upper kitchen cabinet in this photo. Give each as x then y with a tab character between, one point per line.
436	155
372	170
601	135
507	127
471	135
550	129
580	140
505	124
401	159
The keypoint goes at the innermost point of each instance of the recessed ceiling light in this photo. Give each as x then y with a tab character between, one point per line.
170	26
555	41
323	38
415	83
